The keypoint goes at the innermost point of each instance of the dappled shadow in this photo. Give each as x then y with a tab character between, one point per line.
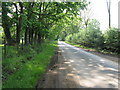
78	69
59	76
98	77
88	70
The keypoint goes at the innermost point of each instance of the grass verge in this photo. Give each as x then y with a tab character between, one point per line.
24	72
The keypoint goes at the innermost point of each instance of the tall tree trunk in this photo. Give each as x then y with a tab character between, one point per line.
20	19
29	36
109	20
32	33
35	38
18	34
109	11
26	35
39	19
6	24
39	38
4	48
9	39
28	29
18	24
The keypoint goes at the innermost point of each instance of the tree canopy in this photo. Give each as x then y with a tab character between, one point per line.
32	21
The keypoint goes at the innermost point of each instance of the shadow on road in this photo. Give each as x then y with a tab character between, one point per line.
68	73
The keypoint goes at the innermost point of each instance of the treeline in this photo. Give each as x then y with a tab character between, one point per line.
26	26
91	36
30	22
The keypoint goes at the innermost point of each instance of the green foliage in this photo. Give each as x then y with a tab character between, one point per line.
23	72
90	37
34	22
67	27
1	35
68	38
29	19
94	35
112	40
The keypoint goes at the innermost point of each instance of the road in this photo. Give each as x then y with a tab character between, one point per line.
80	69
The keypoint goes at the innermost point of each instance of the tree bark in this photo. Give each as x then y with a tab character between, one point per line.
109	11
26	35
18	24
6	25
35	38
39	38
28	29
32	33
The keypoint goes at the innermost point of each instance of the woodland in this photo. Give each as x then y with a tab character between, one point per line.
30	30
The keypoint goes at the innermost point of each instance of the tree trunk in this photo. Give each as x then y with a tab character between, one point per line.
9	39
29	36
18	34
28	30
109	20
18	24
35	38
6	25
32	33
109	12
4	48
39	38
26	35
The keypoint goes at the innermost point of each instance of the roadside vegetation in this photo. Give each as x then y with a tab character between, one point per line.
23	68
28	32
92	37
28	38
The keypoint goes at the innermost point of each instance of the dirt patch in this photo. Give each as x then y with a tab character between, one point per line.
51	66
58	75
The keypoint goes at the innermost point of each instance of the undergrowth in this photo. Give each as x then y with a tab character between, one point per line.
23	67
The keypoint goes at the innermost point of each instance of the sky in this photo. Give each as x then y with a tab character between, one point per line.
99	12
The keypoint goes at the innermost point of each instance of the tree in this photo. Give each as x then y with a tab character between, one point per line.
6	23
112	40
86	14
90	37
109	11
33	20
18	17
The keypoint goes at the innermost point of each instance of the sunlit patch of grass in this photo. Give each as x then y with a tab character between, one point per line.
1	45
30	71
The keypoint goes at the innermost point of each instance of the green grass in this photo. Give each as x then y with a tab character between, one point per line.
26	75
1	45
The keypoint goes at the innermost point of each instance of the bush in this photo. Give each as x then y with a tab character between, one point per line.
89	38
92	37
69	38
112	40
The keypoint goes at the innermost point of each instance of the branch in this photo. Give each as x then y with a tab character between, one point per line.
42	14
108	6
46	7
